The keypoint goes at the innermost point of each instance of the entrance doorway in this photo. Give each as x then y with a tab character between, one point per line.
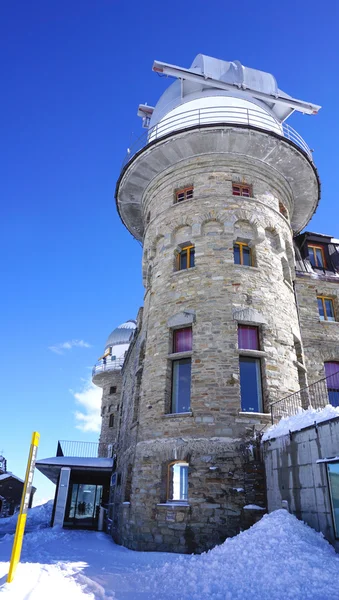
84	505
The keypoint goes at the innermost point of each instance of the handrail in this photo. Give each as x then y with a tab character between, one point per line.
217	114
317	395
77	449
107	364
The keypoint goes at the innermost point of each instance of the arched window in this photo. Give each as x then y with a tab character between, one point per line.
332	382
177	490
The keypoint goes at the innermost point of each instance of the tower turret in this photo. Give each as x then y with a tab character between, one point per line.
106	374
215	194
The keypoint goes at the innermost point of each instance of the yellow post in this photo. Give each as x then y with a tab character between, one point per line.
22	516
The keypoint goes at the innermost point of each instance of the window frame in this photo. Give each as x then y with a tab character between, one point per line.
186	191
325	318
111	421
257	332
259	396
242	187
335	526
334	388
175	342
175	361
112	390
314	248
241	253
188	249
170	481
252	355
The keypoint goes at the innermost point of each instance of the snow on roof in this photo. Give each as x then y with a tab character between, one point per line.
75	461
8	474
305	418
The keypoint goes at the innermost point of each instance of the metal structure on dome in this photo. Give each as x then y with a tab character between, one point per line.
210	76
222	108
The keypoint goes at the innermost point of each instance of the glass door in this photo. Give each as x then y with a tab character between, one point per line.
84	505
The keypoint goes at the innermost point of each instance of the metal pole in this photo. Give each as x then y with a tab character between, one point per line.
22	516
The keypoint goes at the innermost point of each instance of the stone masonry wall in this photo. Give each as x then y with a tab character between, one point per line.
109	403
215	437
320	338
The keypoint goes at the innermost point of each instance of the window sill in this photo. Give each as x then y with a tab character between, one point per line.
327	321
254	414
183	201
254	353
179	355
247	267
126	503
241	196
183	414
173	504
184	270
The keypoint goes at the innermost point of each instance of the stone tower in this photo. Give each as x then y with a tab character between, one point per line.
215	195
106	374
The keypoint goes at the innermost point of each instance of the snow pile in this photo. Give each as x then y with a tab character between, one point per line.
37	517
304	418
279	558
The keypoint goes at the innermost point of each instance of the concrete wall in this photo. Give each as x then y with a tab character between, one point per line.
294	476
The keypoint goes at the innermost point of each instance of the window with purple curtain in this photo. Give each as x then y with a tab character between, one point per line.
248	337
182	340
332	381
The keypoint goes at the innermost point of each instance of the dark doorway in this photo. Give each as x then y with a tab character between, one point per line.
83	508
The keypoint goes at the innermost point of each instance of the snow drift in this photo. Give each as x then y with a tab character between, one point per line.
279	558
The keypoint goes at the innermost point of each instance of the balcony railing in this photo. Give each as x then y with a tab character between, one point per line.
84	449
217	115
108	365
317	395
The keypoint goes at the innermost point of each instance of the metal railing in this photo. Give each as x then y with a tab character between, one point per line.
217	115
317	395
107	364
84	449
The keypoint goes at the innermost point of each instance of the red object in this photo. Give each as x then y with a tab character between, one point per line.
182	340
248	337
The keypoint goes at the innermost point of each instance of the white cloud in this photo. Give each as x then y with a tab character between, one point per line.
89	398
59	348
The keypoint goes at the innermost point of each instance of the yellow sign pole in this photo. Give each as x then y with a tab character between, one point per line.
22	516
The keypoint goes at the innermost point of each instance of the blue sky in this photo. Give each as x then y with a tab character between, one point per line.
73	73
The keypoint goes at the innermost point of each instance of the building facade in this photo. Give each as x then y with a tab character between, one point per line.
11	488
217	194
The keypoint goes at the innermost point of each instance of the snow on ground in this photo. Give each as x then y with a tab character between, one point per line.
37	518
279	558
304	418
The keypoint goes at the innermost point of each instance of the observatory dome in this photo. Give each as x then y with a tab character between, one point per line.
121	335
190	100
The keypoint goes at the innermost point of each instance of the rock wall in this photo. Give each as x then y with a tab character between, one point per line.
320	338
214	437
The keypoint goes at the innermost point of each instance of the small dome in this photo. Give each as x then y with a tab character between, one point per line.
122	334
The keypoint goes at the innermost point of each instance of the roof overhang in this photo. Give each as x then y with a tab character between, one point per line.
51	467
